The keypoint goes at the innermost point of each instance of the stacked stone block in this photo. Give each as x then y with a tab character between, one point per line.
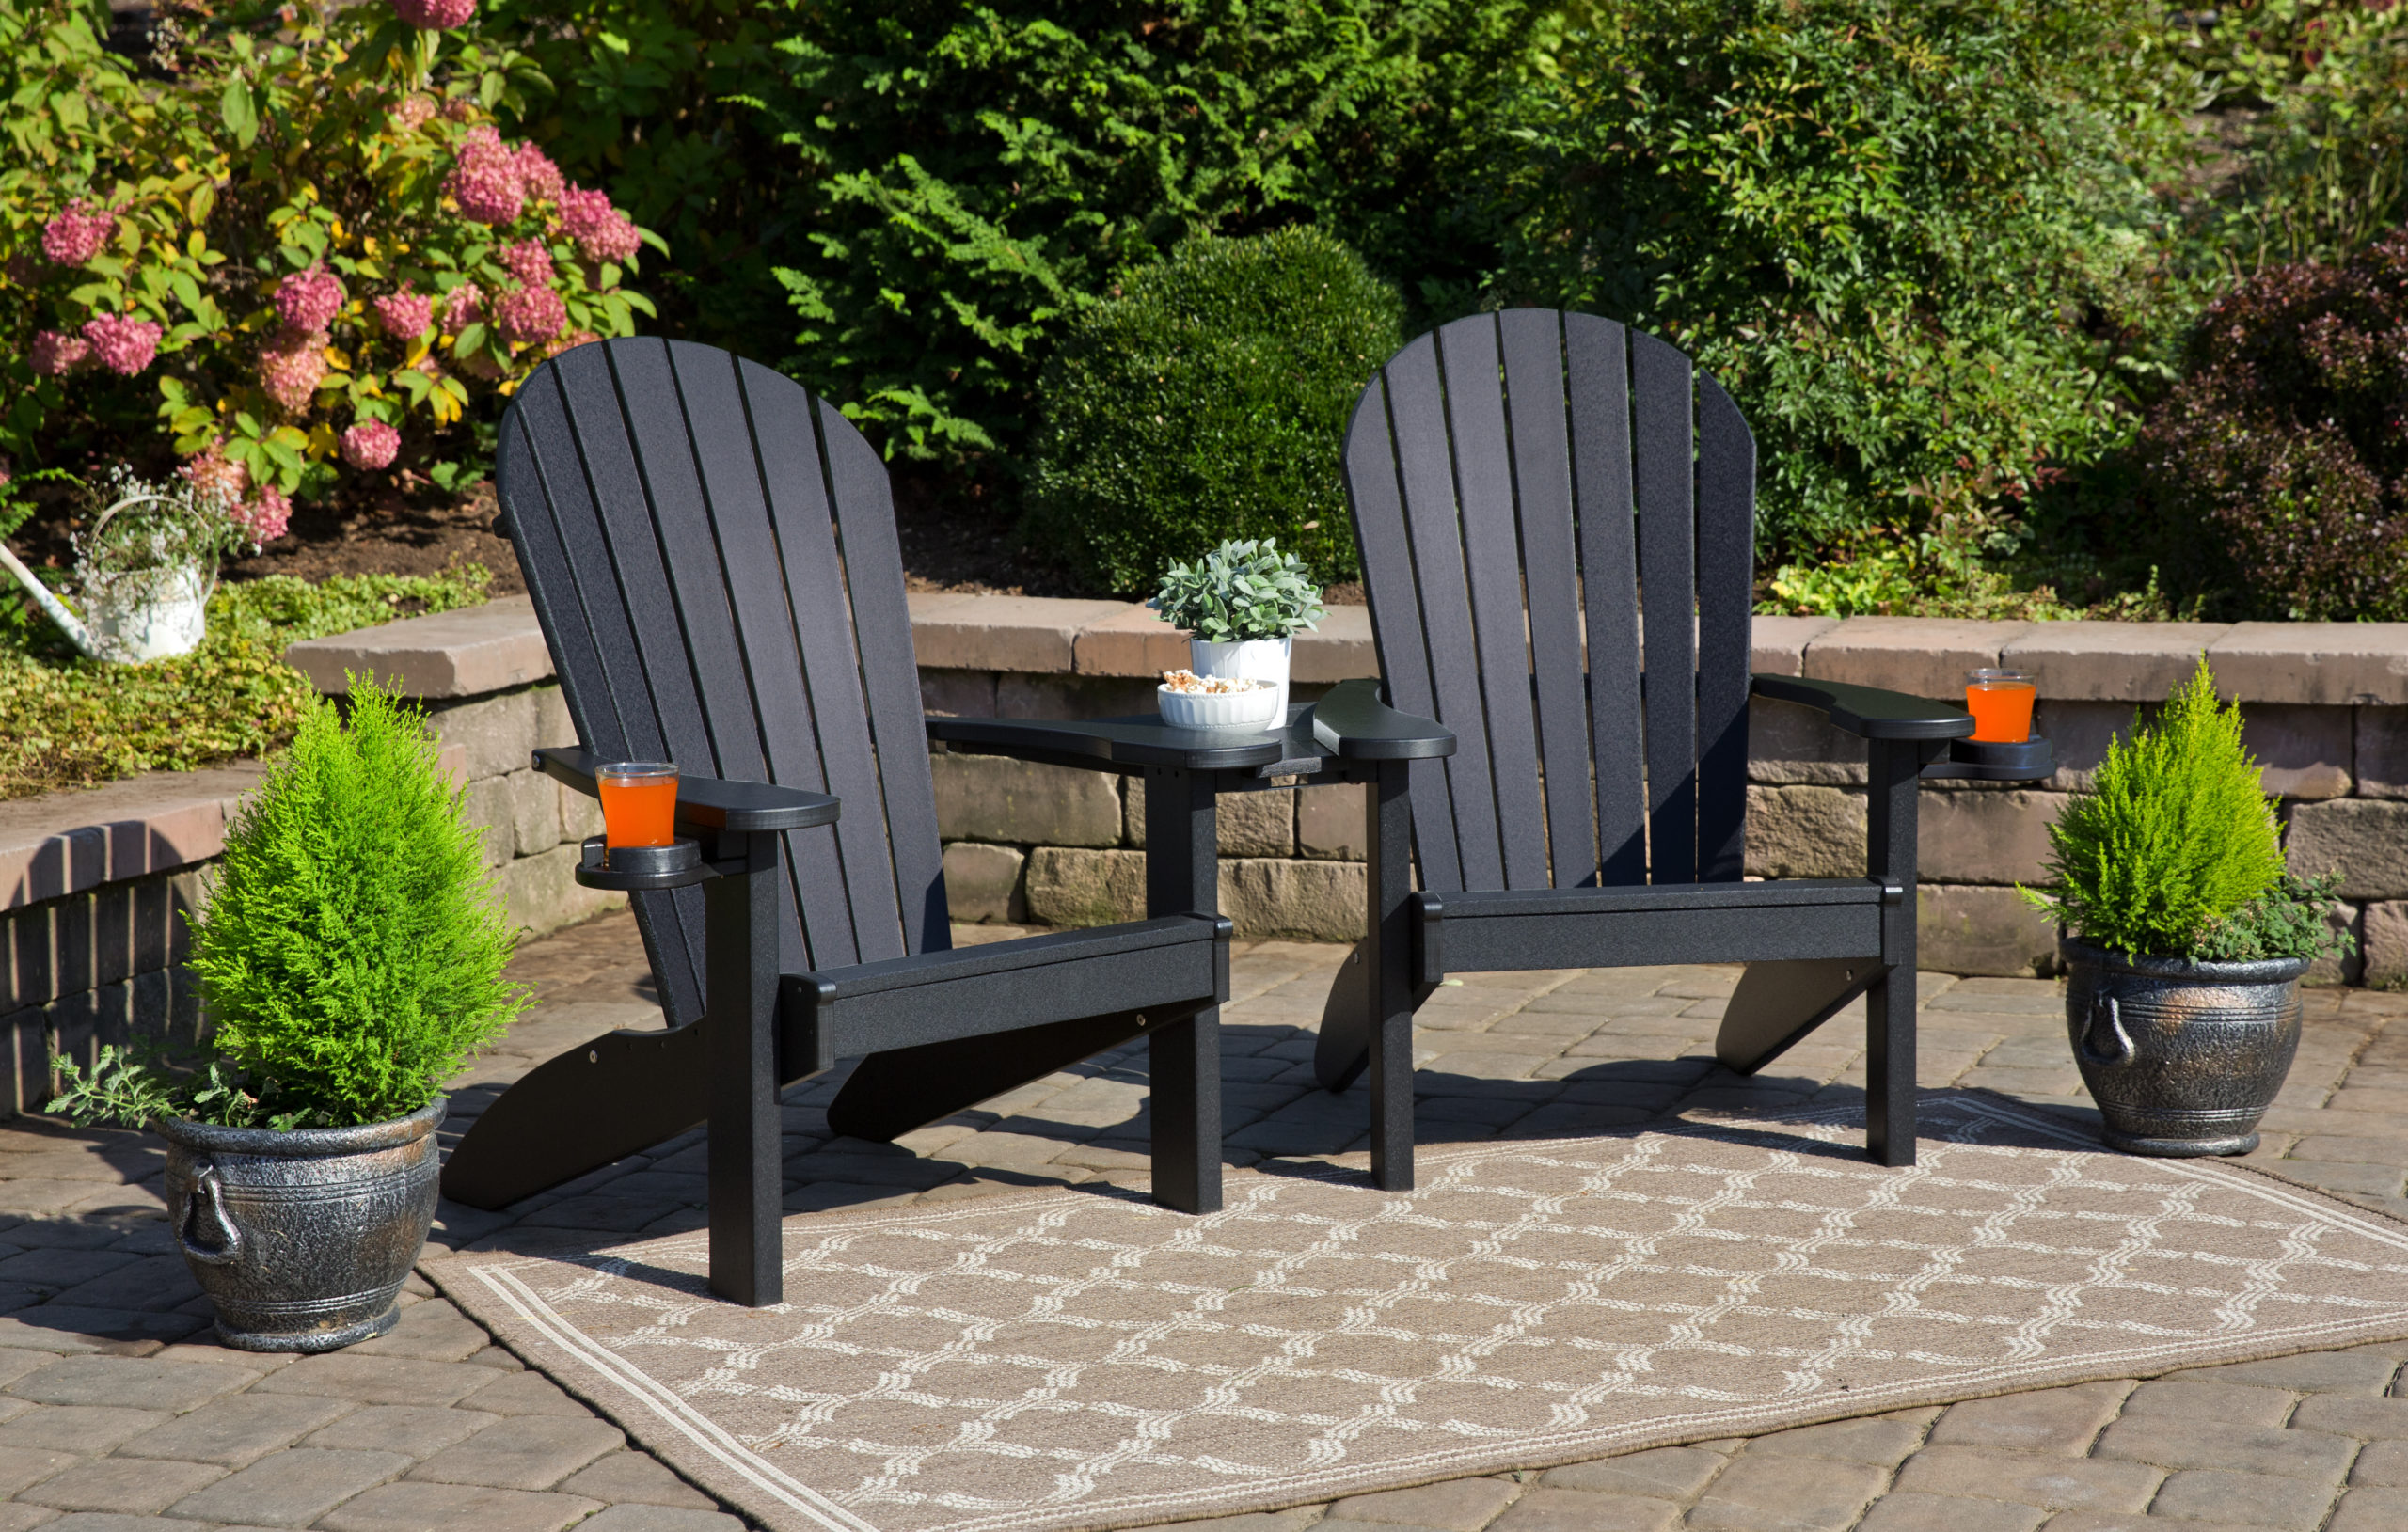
532	826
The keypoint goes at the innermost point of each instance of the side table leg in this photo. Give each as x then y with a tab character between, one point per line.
1183	875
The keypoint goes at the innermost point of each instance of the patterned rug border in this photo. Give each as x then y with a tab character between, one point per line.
655	1418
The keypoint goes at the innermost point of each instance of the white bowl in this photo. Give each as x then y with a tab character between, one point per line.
1249	710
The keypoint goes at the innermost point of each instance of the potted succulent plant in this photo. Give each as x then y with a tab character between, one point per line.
1241	605
350	958
2188	937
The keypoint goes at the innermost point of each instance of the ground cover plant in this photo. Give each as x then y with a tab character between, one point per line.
1209	400
76	722
352	948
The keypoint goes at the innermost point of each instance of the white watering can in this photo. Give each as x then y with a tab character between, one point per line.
141	615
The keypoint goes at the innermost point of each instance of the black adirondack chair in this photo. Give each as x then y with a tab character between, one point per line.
1519	482
712	553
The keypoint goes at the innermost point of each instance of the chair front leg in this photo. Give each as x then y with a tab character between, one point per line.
1896	780
1387	956
740	966
1183	1058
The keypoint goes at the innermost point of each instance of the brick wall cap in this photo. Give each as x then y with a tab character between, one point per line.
444	654
1004	632
1922	656
59	844
2110	662
2334	664
1777	645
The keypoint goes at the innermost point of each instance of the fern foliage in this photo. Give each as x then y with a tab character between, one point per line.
2174	835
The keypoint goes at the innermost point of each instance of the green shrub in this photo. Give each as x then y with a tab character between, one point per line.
2278	463
1920	243
2173	836
968	177
1210	402
75	723
1239	592
352	950
296	245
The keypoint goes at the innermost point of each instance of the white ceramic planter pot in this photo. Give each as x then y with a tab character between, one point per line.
150	616
1248	660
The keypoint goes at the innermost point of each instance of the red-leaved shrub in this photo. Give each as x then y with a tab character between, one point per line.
2283	447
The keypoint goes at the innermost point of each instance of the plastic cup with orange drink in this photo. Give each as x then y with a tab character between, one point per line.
2001	702
639	803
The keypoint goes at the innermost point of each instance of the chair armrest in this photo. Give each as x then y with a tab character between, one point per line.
1869	712
1108	744
708	802
1352	722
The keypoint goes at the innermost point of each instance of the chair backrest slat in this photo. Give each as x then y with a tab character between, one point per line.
1425	467
1533	346
1726	565
890	678
1597	392
1372	485
1532	492
1493	569
1664	475
676	514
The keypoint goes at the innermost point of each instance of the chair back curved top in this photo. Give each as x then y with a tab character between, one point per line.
711	550
1519	482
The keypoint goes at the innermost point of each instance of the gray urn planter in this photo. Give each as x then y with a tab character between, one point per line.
2182	1057
303	1239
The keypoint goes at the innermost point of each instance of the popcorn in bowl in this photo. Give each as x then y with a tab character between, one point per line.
1189	684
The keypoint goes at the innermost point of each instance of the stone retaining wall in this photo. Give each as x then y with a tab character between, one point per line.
93	885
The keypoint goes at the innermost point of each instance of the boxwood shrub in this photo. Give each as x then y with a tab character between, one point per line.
1207	402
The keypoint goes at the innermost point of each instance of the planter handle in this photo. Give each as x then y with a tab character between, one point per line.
2120	1042
205	1184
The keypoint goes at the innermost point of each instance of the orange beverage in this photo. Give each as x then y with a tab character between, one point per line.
639	803
2001	702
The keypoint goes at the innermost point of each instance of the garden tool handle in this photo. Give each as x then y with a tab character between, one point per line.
2119	1050
206	1184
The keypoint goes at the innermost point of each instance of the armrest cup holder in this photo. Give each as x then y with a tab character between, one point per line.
637	868
1981	760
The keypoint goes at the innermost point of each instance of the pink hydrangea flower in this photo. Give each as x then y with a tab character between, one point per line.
290	368
529	313
308	300
435	15
463	305
413	110
77	234
538	174
602	232
529	262
485	179
56	354
371	444
404	315
265	515
121	343
573	338
218	477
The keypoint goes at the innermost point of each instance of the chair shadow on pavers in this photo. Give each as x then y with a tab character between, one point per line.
711	553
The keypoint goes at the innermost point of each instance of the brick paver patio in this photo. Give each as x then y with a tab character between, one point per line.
118	1414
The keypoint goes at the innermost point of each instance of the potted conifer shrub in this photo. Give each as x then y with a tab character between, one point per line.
2188	938
350	958
1241	605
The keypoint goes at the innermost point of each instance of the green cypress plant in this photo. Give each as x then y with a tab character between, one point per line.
2173	840
352	952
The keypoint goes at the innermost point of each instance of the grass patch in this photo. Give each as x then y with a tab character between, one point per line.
68	721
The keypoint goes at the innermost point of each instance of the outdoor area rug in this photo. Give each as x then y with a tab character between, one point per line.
1080	1359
